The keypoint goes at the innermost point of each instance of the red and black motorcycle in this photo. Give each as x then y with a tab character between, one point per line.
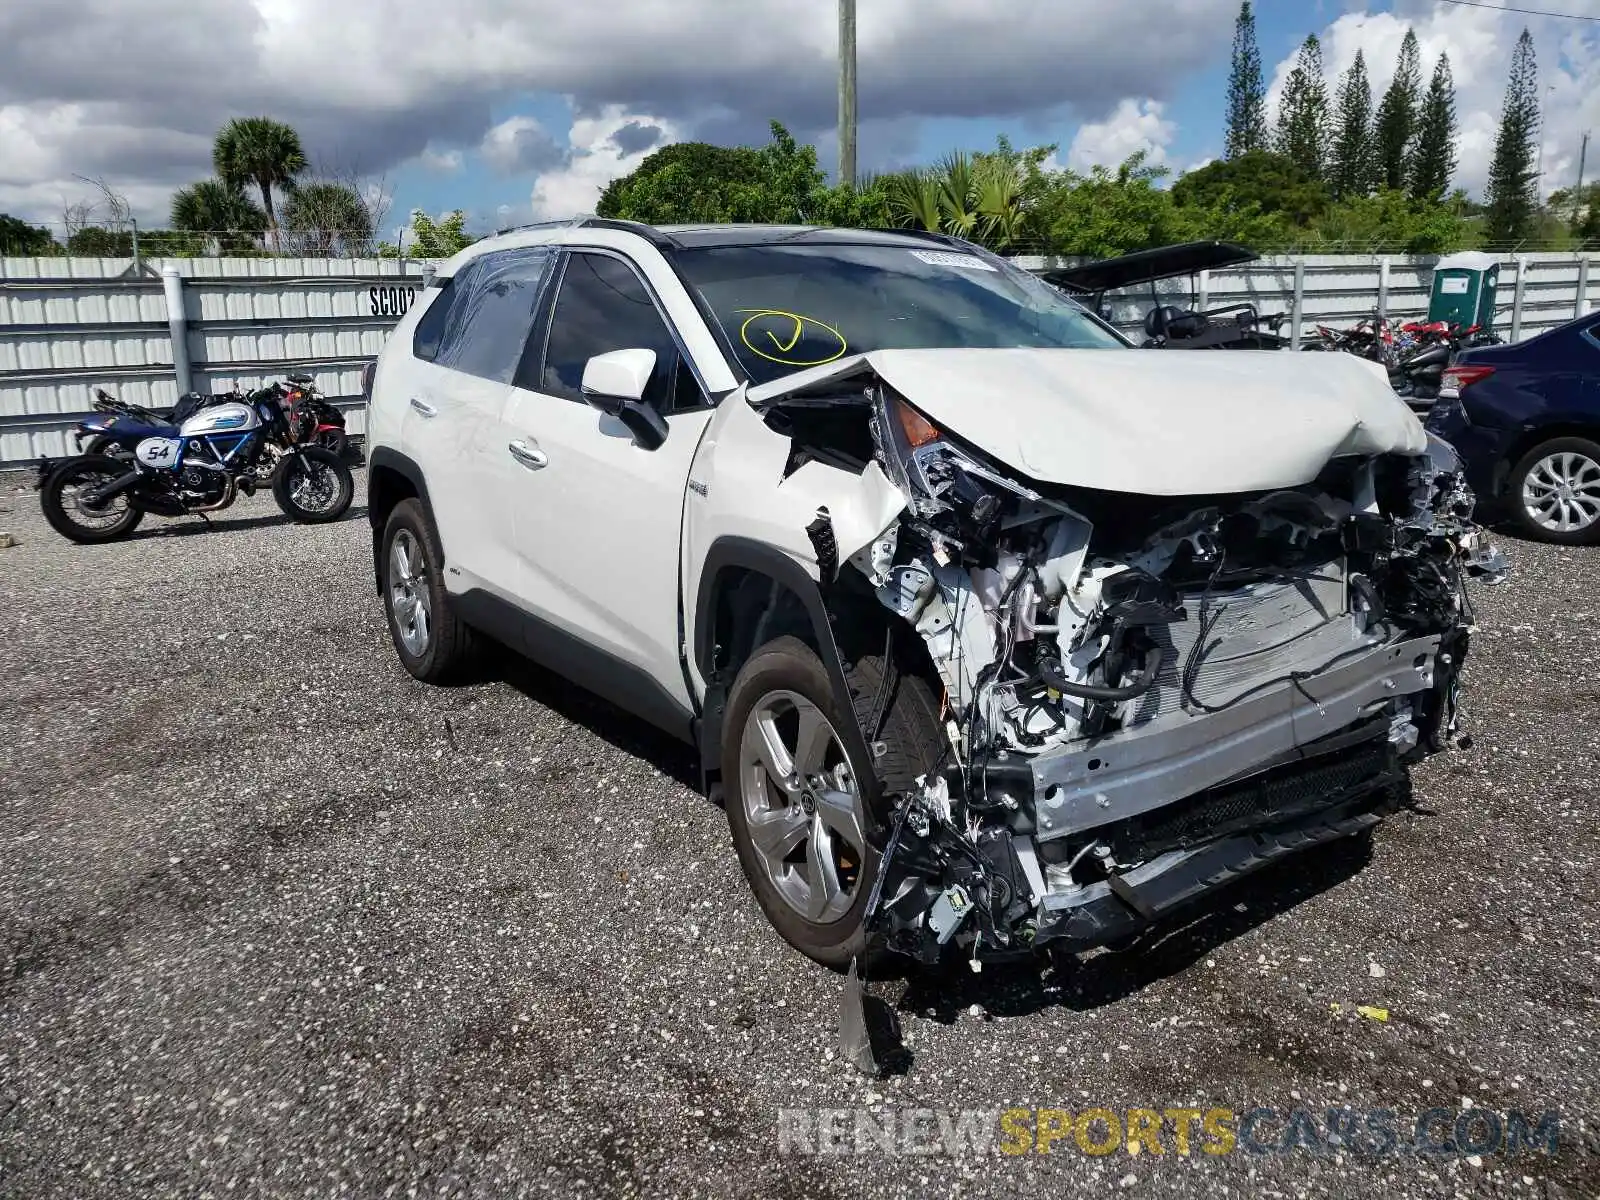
327	422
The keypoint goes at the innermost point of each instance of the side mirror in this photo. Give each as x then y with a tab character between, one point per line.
614	383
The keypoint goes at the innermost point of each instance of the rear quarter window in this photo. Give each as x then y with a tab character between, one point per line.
429	333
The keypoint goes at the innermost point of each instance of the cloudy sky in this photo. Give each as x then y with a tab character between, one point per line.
512	109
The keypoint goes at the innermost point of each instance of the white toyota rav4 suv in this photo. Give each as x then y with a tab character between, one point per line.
997	632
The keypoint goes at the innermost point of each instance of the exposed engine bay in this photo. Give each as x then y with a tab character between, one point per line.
1143	694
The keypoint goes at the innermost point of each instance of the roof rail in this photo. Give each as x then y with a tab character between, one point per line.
948	239
589	221
563	223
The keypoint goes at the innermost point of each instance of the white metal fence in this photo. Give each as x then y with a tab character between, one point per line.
68	325
1536	292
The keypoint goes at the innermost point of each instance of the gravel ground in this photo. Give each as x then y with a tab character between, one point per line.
276	919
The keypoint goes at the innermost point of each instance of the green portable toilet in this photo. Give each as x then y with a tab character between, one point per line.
1463	289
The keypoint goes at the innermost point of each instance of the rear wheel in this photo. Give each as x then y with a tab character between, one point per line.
313	486
803	814
1554	492
434	644
70	513
335	441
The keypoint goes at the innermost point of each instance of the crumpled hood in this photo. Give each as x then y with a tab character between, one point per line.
1157	422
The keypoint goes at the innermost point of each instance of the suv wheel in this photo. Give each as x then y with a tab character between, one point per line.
432	642
1554	492
803	815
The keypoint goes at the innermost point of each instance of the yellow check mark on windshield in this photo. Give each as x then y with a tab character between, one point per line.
799	328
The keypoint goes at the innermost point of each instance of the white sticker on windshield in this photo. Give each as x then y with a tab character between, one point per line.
945	258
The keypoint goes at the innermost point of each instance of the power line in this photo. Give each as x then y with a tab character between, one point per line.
1527	12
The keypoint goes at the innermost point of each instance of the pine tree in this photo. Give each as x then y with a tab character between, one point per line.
1434	159
1303	112
1247	105
1352	170
1512	197
1396	125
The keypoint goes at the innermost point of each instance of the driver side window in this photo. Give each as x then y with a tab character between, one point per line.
603	305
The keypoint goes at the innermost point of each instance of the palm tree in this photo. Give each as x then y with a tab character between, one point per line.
261	151
329	216
977	197
214	208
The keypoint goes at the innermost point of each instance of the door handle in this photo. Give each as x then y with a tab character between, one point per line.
529	456
423	407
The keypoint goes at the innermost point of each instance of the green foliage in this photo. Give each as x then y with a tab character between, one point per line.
1434	160
1109	212
1247	108
1352	169
261	151
21	240
93	241
989	198
432	239
217	209
328	218
695	182
1303	112
1512	195
1396	124
1391	219
1270	184
1580	209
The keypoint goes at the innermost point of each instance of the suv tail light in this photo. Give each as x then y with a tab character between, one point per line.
1454	379
368	370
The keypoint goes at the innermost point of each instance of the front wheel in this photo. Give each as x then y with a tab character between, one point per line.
67	508
803	815
313	486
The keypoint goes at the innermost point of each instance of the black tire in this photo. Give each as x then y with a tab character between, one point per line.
79	472
1529	464
292	470
450	650
911	746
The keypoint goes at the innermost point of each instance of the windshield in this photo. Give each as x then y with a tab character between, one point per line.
788	307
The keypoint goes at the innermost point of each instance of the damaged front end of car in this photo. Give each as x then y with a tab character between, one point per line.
1146	696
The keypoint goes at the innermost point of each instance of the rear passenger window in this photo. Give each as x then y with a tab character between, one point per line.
490	316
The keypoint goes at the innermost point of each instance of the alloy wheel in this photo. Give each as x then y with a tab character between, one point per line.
803	806
1561	492
409	598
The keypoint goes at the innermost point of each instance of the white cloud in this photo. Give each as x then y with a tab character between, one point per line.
1133	125
383	80
1479	42
595	159
441	162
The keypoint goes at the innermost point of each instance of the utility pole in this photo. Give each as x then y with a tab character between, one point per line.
847	92
1577	192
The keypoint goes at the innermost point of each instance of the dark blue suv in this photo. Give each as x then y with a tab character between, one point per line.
1525	419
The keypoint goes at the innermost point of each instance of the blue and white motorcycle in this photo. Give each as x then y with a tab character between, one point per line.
215	455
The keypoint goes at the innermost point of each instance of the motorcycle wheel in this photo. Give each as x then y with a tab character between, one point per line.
313	486
68	514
